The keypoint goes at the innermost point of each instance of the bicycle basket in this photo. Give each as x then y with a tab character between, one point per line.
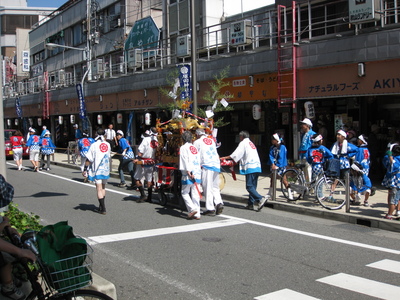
65	259
332	167
69	274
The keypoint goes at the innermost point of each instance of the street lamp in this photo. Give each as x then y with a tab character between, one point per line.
79	86
52	46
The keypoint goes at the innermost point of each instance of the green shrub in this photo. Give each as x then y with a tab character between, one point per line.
21	221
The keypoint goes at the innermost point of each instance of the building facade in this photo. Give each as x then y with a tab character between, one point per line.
332	61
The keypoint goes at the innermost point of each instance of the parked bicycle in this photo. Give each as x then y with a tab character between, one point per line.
73	152
62	280
330	192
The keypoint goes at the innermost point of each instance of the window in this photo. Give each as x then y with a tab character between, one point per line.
9	23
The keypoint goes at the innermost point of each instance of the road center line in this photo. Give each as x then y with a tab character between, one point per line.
239	221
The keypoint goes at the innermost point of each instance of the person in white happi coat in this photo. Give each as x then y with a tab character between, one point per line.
250	166
98	158
210	169
189	165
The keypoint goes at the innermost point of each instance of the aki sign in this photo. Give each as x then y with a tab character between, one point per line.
143	35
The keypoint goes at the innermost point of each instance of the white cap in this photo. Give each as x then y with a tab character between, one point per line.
307	122
31	129
342	133
317	138
75	126
120	132
47	132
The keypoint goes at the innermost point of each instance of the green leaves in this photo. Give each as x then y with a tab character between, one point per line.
20	220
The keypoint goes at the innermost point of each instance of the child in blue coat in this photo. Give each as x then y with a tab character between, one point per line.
391	161
47	148
317	155
277	159
360	184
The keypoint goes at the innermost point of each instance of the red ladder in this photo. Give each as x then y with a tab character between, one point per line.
286	58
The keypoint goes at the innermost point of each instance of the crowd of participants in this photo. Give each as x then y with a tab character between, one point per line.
199	163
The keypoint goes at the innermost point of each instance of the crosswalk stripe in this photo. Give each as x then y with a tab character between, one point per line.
387	265
363	286
160	231
285	294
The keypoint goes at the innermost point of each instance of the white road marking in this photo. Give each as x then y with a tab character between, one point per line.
314	235
160	231
387	265
243	221
285	294
363	286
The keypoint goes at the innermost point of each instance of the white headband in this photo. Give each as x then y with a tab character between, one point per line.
317	138
276	137
361	137
342	133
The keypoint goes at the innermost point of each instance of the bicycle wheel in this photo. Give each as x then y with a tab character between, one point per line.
86	295
331	193
291	176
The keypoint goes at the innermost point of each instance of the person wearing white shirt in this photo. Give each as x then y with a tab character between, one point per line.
111	136
210	169
250	166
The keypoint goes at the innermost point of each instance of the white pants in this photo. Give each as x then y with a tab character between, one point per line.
210	183
147	172
192	198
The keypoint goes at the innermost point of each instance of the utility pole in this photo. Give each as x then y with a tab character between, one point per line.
194	55
2	149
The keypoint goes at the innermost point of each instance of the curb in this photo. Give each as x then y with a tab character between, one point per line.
368	221
104	286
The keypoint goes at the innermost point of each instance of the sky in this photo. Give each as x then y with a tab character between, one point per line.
46	3
233	7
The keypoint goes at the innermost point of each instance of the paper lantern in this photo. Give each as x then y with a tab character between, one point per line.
256	112
100	119
309	109
39	121
16	122
8	122
147	119
60	119
119	118
72	119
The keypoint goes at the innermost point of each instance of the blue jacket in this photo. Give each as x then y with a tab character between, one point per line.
278	156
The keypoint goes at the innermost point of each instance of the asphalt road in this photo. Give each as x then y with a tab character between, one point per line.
152	252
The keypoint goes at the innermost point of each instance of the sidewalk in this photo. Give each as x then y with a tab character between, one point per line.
235	191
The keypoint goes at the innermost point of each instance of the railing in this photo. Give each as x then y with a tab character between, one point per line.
215	41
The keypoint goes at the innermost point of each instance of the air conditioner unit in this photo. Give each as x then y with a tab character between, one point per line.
183	46
97	68
61	77
241	33
134	58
